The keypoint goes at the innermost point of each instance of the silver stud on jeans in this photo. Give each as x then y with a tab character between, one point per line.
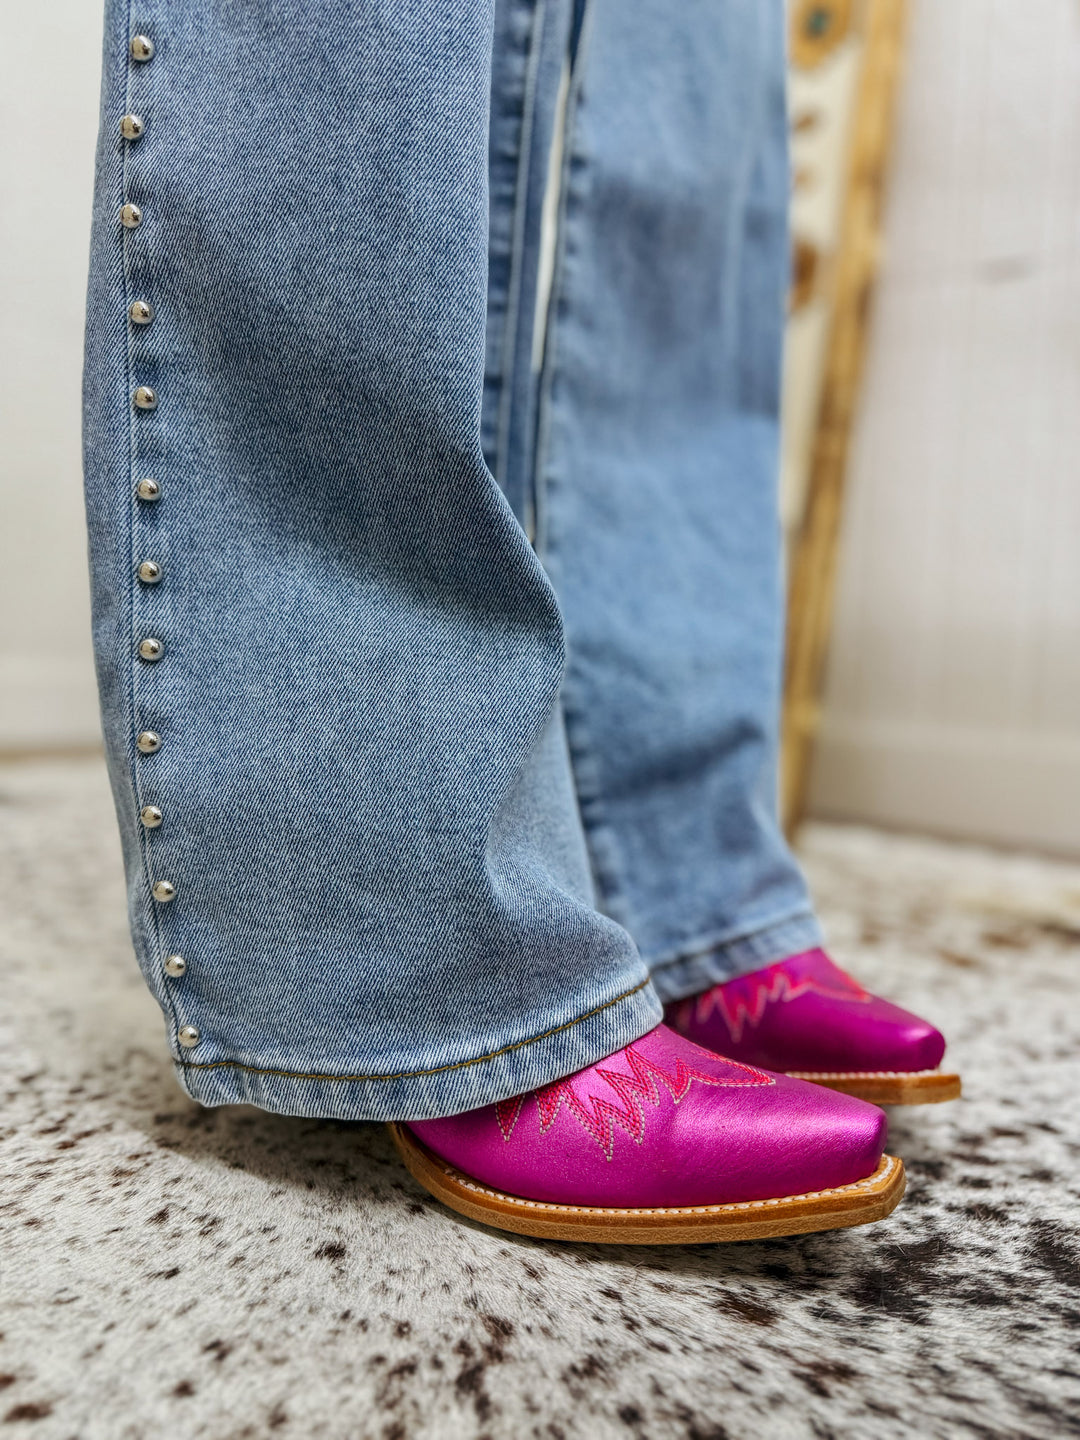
148	490
145	398
141	47
149	572
132	127
151	816
188	1035
175	965
148	741
163	891
151	648
140	313
130	216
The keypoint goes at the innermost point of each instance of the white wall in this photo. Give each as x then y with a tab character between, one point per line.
954	687
49	75
953	699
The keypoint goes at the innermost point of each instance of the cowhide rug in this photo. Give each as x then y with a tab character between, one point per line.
168	1270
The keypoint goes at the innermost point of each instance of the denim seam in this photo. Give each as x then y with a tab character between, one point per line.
152	930
509	358
740	191
551	337
603	836
611	891
416	1074
702	948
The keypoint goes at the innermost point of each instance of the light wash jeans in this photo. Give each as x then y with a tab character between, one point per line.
439	646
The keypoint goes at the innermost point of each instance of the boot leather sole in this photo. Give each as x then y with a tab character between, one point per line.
857	1204
887	1087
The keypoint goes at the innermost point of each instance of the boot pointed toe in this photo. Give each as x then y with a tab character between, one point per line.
663	1141
805	1017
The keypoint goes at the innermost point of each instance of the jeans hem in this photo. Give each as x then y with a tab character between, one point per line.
698	967
437	1092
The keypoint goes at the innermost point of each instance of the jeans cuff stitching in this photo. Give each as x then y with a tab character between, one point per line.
417	1074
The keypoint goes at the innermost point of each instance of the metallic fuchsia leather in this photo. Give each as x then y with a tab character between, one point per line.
664	1123
804	1013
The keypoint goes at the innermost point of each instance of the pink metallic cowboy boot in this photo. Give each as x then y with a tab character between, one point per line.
805	1017
661	1143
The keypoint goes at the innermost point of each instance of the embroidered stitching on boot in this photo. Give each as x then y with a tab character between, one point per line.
599	1116
742	1001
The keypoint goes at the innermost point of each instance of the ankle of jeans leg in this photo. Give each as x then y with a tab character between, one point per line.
480	1078
697	969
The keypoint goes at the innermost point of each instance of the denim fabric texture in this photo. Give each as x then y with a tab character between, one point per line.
419	861
656	479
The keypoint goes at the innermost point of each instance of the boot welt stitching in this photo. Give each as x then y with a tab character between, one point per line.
877	1177
862	1074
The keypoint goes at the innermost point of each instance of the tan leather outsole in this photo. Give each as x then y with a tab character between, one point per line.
887	1087
857	1204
